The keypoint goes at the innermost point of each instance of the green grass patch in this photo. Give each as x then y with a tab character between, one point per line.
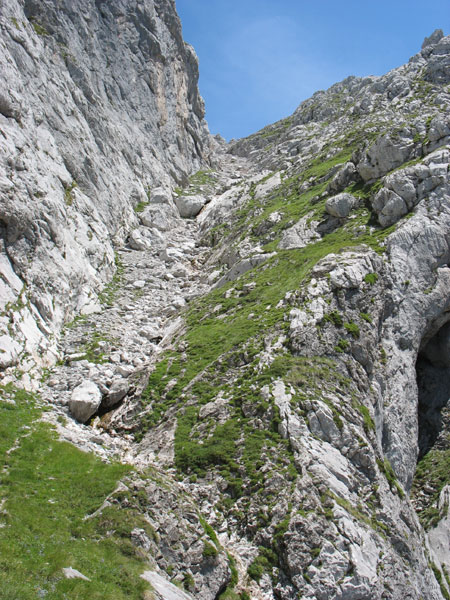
108	295
141	206
366	317
352	329
440	580
258	567
433	471
369	425
92	349
68	191
371	278
386	468
49	487
209	551
218	449
358	513
39	29
343	345
197	182
334	317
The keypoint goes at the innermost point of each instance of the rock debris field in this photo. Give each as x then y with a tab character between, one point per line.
104	355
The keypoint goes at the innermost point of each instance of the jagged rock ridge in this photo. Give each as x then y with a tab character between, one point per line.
289	404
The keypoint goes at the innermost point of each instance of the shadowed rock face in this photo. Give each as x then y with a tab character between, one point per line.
433	378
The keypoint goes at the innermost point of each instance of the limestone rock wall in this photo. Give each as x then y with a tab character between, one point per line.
98	105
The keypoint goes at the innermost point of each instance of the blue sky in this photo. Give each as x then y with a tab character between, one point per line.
260	58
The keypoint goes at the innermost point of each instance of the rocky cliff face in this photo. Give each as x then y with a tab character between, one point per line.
273	354
99	107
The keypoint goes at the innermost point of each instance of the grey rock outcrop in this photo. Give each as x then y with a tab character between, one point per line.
159	216
405	188
117	391
341	205
347	175
125	118
163	589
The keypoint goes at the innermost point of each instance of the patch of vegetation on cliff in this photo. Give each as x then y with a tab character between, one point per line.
301	194
432	475
235	447
48	488
387	470
109	292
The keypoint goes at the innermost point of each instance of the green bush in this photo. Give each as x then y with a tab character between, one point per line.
258	567
352	328
342	346
334	317
209	551
188	582
371	278
366	317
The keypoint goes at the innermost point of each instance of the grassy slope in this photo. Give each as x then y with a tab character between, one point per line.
48	488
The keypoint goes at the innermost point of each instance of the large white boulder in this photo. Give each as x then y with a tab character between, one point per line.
85	401
190	206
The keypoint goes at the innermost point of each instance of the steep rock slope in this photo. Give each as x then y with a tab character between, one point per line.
291	401
275	422
99	106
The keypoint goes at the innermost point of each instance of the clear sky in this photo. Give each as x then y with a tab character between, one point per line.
260	58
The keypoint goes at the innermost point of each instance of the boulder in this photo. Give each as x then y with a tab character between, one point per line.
159	216
160	195
263	189
343	178
117	392
164	588
242	267
340	205
9	351
85	401
300	234
70	573
139	284
384	155
170	255
190	206
153	334
137	241
389	206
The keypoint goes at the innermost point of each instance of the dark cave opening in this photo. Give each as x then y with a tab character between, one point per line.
433	382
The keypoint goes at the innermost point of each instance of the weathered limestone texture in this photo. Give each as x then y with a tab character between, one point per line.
98	106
